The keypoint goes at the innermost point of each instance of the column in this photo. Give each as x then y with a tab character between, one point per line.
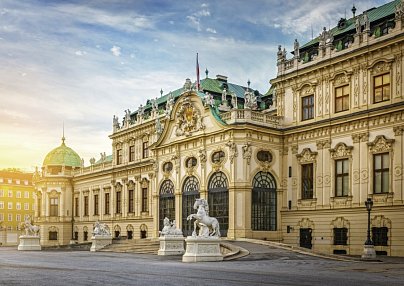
355	187
397	171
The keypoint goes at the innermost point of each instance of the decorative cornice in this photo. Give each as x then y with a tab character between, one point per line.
306	156
381	144
341	150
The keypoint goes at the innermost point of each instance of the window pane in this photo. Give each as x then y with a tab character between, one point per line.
346	90
339	186
378	81
338	92
385	161
378	95
346	186
378	163
346	166
386	79
339	166
345	104
378	183
385	180
386	92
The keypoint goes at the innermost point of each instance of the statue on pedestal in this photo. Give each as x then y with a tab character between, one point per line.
208	226
101	229
30	230
169	228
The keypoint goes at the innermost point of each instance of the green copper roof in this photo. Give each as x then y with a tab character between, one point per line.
374	15
62	155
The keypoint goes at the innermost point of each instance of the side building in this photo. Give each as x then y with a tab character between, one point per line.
16	203
293	165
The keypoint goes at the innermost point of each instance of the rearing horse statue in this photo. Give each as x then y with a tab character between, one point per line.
208	226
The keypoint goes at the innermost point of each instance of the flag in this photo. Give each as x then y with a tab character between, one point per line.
197	73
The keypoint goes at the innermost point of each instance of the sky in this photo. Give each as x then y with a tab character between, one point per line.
78	63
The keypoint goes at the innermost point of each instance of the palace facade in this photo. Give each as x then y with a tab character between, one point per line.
293	165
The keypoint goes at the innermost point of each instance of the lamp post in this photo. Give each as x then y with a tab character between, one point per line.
369	252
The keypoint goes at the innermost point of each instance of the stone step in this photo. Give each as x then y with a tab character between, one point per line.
141	246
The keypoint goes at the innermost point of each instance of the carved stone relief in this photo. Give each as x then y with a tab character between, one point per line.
306	156
188	119
341	151
381	144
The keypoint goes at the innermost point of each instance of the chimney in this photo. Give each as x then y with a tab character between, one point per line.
221	78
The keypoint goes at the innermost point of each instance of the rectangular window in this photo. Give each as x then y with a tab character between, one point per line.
95	204
17	181
340	236
145	150
76	206
381	88
341	178
26	195
1	217
18	195
10	217
1	205
119	156
76	235
85	235
1	193
308	107
307	181
342	98
26	206
381	173
85	205
379	236
131	153
53	235
54	207
10	193
130	206
144	200
18	217
10	205
106	206
18	206
118	202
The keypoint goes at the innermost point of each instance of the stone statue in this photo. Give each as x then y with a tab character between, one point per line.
202	155
224	96
169	228
169	105
358	25
296	49
208	226
280	54
30	230
187	85
208	99
92	161
103	157
82	162
232	150
399	12
234	100
159	128
140	112
247	152
101	229
250	100
115	124
366	21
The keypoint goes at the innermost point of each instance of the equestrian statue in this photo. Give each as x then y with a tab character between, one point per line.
208	226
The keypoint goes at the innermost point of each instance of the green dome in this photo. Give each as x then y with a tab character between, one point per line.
62	155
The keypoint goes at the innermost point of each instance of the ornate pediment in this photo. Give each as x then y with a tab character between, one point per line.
188	119
341	79
381	67
341	151
306	156
381	144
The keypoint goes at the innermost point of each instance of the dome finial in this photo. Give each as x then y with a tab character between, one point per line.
63	136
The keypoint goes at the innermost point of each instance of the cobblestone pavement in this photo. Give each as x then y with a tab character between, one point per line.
264	266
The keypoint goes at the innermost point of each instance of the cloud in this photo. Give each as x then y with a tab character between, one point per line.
80	53
210	30
194	21
195	18
116	51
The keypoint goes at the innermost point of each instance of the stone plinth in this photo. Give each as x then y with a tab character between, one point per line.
100	241
201	249
171	245
29	242
369	252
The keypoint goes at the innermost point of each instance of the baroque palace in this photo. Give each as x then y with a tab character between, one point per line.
293	165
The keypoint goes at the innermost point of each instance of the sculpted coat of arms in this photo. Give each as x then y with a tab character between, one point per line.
188	119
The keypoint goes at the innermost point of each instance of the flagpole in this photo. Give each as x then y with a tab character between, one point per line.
197	73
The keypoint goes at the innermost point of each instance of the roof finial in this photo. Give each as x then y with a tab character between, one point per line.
248	82
161	92
63	136
353	10
206	72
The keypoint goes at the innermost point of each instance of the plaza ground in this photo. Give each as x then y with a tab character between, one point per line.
265	265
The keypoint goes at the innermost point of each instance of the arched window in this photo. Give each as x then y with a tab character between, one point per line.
190	192
166	202
263	209
218	199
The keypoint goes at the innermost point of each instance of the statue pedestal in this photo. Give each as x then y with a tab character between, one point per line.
100	241
200	249
171	245
369	252
29	242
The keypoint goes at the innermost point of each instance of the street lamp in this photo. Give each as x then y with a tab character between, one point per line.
369	249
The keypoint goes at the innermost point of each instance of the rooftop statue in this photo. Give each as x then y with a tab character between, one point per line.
208	226
30	230
101	229
169	228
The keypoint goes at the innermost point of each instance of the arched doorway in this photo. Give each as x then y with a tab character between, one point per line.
218	199
166	202
263	208
190	192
